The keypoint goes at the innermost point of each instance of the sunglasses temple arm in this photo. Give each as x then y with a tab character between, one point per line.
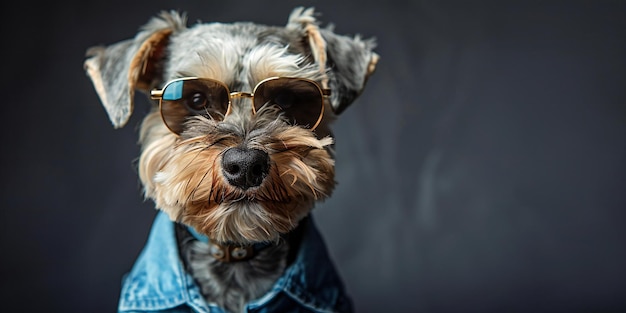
156	94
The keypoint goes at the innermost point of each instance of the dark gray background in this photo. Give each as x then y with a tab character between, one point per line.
483	169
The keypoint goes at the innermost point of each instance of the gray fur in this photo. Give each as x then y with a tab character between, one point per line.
231	285
110	68
349	61
115	94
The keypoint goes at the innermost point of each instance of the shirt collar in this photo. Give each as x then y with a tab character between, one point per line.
158	281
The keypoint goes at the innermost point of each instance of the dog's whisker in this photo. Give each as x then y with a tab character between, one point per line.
223	195
198	185
214	179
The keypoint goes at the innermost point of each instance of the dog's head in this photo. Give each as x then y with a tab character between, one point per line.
238	145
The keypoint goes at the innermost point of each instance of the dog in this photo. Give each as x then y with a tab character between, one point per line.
235	153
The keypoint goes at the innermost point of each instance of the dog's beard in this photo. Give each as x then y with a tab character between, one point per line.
183	175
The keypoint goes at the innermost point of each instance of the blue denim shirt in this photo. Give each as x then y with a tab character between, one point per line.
158	281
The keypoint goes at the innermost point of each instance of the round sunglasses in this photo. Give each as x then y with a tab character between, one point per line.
300	100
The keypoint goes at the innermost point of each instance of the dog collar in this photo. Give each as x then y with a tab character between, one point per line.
229	253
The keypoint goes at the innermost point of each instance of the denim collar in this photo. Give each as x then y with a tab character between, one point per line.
158	280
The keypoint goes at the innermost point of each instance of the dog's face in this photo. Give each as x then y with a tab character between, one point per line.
239	146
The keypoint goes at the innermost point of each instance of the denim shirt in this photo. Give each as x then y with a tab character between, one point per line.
158	281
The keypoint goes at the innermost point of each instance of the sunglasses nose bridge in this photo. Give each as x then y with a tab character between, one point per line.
241	95
238	94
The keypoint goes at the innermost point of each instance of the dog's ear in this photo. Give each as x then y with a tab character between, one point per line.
351	61
119	69
347	62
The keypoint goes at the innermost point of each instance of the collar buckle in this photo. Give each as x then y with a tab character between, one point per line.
229	253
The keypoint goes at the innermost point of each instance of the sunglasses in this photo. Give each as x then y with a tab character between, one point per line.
300	100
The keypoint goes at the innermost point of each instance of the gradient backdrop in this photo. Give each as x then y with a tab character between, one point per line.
483	169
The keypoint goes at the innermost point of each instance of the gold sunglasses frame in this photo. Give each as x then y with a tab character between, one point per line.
157	94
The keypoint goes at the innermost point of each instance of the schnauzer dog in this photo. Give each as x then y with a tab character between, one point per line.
235	153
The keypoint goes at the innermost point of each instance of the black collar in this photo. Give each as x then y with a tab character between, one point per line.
229	252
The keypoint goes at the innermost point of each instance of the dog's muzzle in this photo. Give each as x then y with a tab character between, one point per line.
245	168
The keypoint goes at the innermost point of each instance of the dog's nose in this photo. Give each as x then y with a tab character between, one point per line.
245	168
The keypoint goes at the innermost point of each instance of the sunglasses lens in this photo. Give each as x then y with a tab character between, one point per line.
300	100
185	98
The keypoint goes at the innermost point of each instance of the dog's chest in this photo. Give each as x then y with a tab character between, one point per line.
231	285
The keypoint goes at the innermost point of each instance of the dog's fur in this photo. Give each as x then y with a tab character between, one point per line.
183	173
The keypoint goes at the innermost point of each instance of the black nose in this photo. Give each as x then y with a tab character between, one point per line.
245	168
